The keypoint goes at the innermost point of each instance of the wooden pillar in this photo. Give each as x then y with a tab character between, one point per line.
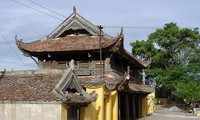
146	104
133	114
140	106
127	107
53	64
136	74
143	107
82	113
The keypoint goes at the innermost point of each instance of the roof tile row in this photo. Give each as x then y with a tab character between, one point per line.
67	43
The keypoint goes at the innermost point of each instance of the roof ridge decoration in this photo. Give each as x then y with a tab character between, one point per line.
74	9
69	82
122	32
75	22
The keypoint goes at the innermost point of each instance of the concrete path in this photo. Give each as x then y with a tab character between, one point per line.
163	113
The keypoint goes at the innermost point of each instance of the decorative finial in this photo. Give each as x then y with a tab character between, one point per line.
121	33
122	30
71	64
74	9
15	37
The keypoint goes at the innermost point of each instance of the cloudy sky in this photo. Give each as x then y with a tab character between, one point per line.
138	17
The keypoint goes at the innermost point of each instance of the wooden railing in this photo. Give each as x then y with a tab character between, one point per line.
80	65
86	67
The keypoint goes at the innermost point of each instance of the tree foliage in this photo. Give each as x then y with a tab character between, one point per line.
175	55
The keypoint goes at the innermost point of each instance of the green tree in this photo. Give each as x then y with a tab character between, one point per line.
175	55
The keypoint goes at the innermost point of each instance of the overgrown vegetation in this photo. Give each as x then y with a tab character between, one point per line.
175	55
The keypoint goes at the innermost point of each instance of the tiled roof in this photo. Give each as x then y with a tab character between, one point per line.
35	87
67	43
31	87
136	87
77	99
91	81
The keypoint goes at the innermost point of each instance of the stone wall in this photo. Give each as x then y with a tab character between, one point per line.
27	111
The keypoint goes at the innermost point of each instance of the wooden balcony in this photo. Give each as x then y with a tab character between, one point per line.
87	68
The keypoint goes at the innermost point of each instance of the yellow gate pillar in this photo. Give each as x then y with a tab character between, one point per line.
144	106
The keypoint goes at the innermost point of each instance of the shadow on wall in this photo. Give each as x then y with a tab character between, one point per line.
98	112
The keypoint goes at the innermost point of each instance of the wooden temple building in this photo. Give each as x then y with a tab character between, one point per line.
83	74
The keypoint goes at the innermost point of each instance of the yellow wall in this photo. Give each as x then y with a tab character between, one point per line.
105	107
64	112
148	105
94	110
151	103
114	97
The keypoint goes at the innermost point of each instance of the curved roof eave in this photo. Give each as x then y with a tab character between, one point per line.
24	46
120	49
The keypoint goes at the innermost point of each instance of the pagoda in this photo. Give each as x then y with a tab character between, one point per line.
103	68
